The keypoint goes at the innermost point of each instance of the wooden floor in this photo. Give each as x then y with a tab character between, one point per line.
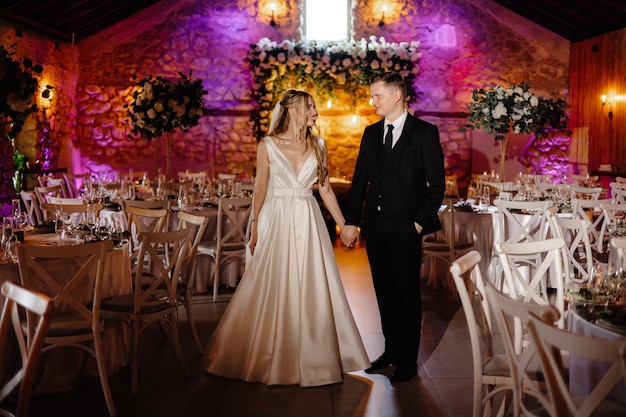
442	389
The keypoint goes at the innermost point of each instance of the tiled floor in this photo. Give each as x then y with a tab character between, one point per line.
442	389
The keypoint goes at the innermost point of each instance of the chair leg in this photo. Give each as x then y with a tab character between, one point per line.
102	372
176	341
190	320
134	357
216	278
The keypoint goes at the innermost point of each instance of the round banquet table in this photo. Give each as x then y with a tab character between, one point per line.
61	367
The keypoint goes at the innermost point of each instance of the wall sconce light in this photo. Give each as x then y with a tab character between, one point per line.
382	17
273	9
609	115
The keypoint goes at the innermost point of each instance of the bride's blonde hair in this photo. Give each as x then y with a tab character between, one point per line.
299	100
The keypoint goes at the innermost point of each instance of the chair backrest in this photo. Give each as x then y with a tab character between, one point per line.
75	183
235	211
40	307
575	233
586	193
141	220
75	289
29	198
520	355
521	221
618	194
44	192
591	210
199	224
59	181
147	204
553	344
66	201
42	180
527	267
166	266
77	212
614	214
223	176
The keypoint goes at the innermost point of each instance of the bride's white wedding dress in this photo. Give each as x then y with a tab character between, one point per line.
289	321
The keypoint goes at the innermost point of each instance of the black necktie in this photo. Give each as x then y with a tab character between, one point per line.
389	138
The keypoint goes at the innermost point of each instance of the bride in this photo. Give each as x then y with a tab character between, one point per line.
289	321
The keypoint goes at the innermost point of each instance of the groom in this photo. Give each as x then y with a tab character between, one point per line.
399	175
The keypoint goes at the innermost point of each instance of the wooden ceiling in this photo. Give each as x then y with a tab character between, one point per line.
70	20
75	20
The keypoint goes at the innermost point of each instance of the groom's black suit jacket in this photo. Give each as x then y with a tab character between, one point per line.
413	184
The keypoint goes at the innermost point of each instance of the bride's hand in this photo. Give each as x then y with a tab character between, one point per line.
252	243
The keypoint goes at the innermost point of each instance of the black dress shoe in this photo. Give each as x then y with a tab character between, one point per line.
381	363
404	373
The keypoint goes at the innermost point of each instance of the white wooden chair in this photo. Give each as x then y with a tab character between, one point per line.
230	240
525	370
149	304
75	183
142	220
586	193
61	182
491	372
618	192
553	344
38	308
44	192
445	246
612	212
29	198
620	246
591	210
77	321
185	286
575	233
527	269
518	221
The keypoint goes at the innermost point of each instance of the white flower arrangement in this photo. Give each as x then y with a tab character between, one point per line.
160	105
324	68
500	111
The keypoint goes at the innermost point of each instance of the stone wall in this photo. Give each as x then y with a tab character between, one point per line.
465	44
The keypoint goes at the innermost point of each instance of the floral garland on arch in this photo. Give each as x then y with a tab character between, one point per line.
160	105
324	68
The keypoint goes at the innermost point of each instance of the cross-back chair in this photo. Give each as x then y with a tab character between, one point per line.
591	210
492	377
18	301
527	379
518	221
230	240
575	233
553	345
185	285
143	220
43	193
528	267
445	245
586	193
149	304
75	183
72	277
29	198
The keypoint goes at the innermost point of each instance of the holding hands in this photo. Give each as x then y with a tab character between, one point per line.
349	236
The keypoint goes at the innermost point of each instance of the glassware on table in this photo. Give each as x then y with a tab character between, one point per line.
182	197
485	198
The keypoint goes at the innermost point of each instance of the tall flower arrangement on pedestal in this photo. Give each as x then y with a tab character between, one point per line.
324	69
503	110
161	107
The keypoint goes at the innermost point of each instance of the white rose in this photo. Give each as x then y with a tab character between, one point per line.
499	111
534	101
281	57
151	114
158	106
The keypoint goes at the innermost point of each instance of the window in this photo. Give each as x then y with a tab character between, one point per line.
327	20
